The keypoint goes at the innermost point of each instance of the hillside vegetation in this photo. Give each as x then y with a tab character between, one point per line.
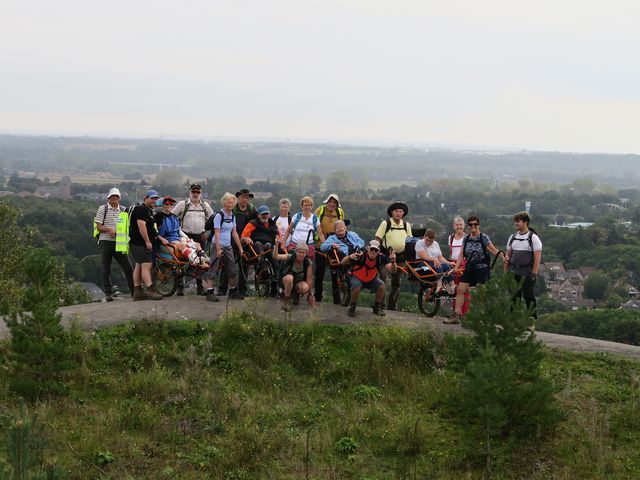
247	398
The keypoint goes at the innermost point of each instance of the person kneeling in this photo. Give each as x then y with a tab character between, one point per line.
297	274
366	274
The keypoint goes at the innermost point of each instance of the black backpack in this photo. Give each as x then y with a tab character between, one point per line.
208	226
528	239
410	248
487	257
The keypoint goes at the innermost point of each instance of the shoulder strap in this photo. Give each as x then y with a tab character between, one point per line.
340	214
184	211
106	209
321	216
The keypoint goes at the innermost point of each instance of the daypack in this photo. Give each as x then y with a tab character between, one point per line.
96	232
311	234
487	257
410	248
186	208
390	226
527	239
208	226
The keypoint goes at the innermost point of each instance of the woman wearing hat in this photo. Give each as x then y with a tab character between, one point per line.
392	234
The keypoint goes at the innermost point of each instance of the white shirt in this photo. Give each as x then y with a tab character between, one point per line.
303	227
455	247
432	250
521	243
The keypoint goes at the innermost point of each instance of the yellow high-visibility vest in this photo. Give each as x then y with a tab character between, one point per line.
122	232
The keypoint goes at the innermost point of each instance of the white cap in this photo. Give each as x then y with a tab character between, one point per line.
113	191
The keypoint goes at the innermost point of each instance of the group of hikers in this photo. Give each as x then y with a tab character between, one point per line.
299	245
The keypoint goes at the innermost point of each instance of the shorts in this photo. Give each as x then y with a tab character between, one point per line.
228	260
474	275
373	285
140	253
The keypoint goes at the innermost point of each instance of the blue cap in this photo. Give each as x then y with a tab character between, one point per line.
151	194
160	202
263	209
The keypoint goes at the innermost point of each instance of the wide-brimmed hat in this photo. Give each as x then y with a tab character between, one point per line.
334	196
112	192
396	206
244	191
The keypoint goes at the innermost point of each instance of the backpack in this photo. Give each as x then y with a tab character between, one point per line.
528	239
96	232
296	219
208	226
410	248
186	209
322	209
389	226
487	257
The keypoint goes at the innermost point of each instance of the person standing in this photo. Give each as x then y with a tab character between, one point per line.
524	253
106	221
392	234
193	214
283	219
476	247
224	233
143	234
329	212
456	240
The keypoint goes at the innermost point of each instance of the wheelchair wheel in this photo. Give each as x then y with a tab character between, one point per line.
345	290
164	280
263	279
428	303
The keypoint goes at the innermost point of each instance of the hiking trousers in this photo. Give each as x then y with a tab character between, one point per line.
108	253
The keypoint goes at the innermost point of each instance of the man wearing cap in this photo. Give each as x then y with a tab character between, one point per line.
392	234
366	274
329	212
106	220
193	214
261	231
143	233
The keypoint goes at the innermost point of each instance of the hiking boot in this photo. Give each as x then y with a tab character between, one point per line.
109	297
452	320
153	294
378	310
212	297
286	304
351	311
139	294
180	291
235	295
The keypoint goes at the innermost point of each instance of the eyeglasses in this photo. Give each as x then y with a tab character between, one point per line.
473	224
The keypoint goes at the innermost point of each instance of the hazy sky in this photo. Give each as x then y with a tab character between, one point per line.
539	74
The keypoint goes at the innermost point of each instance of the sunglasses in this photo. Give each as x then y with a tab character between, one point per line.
170	203
196	191
473	224
373	249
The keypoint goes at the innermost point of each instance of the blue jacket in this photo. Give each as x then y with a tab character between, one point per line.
352	237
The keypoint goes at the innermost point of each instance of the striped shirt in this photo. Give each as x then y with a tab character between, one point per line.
110	221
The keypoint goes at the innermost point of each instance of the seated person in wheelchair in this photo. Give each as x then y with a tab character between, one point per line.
260	232
366	274
342	240
428	250
171	235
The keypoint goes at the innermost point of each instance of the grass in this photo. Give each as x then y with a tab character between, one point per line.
252	399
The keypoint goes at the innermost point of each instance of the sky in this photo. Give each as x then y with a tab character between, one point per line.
541	75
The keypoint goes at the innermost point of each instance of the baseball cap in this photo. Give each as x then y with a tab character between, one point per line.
168	199
374	244
151	194
263	209
195	186
113	191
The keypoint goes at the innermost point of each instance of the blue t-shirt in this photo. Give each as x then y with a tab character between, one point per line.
226	222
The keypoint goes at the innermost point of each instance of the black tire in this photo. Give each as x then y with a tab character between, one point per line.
428	303
164	280
345	290
263	280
